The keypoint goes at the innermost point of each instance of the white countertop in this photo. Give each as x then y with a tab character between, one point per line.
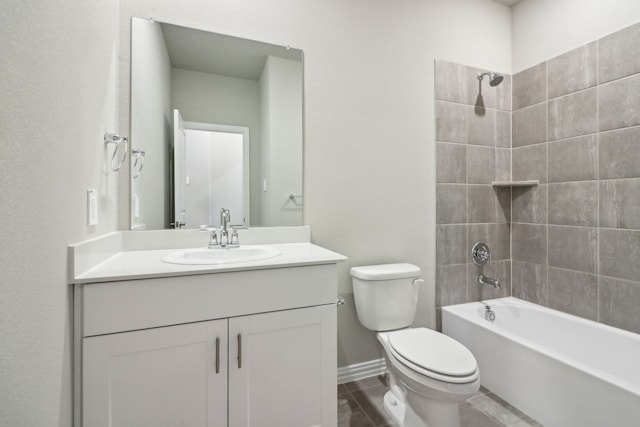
145	264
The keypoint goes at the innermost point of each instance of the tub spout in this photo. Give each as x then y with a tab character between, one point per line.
484	280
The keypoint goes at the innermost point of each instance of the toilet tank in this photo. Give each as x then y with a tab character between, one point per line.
386	295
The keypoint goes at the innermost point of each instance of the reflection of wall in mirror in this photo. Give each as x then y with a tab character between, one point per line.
151	123
281	150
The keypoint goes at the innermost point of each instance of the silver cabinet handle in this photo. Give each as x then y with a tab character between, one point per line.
217	355
239	351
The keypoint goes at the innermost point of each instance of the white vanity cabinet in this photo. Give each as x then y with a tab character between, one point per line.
285	372
157	377
247	348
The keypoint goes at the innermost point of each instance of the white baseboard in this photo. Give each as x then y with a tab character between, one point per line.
362	370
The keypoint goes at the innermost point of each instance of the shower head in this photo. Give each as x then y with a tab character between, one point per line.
494	79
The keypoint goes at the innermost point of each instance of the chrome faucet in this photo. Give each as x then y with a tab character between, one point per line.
225	217
225	241
481	255
484	280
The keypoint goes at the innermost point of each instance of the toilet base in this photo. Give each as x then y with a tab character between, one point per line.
439	415
400	413
432	413
394	407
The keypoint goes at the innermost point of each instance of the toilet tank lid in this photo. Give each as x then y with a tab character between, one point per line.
385	271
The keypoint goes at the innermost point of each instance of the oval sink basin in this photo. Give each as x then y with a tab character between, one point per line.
245	253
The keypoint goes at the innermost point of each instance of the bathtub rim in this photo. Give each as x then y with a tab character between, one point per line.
567	361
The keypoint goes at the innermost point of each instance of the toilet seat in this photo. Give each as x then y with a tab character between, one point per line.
433	354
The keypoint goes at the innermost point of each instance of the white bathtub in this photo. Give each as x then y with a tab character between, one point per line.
560	369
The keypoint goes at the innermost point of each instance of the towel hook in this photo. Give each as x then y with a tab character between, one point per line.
138	163
120	152
294	198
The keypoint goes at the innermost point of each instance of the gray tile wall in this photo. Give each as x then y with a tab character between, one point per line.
576	237
473	142
573	242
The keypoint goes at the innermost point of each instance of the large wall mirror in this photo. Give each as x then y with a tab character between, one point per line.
216	122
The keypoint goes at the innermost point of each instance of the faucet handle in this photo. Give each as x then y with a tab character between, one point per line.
213	239
480	253
234	237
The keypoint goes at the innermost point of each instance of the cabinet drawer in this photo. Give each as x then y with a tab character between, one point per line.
139	304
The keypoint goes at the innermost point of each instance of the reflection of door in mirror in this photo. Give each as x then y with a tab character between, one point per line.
211	167
179	173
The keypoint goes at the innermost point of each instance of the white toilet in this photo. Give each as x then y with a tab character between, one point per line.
430	374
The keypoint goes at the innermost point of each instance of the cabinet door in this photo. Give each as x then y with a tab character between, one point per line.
282	368
156	377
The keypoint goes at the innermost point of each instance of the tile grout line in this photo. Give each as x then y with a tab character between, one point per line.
448	101
518	415
495	420
366	414
598	277
622	279
597	84
578	136
511	189
466	136
546	70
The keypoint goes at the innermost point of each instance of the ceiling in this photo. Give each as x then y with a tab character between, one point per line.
212	53
508	2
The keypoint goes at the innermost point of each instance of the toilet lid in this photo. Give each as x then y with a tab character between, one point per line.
433	351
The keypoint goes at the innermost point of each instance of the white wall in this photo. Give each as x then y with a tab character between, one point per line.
281	150
543	29
369	178
58	95
152	128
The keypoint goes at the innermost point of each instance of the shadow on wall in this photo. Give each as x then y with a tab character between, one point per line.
494	80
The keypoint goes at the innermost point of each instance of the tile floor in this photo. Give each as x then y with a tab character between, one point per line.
360	405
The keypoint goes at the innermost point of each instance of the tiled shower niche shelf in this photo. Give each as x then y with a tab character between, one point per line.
531	183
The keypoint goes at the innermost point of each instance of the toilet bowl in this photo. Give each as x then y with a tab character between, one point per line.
431	394
430	374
